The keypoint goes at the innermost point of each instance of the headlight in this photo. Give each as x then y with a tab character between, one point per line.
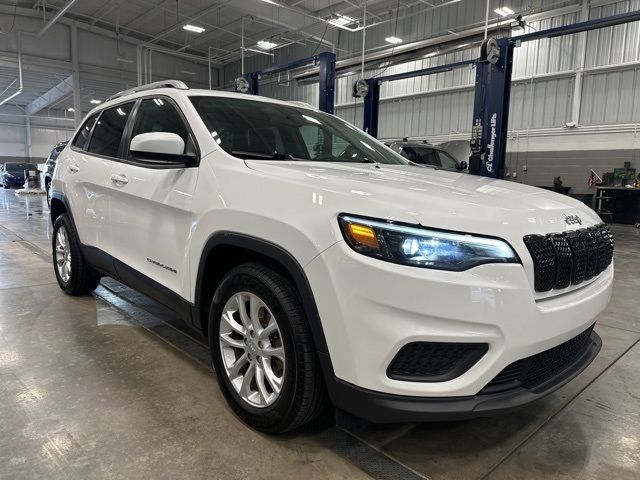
422	247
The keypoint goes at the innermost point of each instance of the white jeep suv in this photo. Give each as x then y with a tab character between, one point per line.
322	266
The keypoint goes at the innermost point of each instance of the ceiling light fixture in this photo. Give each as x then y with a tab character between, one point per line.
266	44
342	21
71	109
393	40
124	60
193	28
504	11
95	101
270	1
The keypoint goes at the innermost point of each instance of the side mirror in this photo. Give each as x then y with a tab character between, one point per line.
161	143
463	165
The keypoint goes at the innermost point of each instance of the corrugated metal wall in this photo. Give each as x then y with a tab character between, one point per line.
544	77
610	95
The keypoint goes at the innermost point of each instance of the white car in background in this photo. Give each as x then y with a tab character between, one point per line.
322	266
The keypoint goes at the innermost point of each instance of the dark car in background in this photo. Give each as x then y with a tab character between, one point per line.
426	154
50	165
12	173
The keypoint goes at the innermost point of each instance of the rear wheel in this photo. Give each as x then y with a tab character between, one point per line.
262	350
74	276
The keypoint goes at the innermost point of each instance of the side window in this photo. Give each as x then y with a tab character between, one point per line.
447	161
158	115
409	154
107	135
83	135
426	156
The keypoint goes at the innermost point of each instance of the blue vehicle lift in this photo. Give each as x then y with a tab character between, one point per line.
372	98
493	89
326	62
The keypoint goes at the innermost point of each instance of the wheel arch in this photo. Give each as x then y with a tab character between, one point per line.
225	250
59	205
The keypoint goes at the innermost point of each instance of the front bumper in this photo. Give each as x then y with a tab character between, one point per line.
385	408
370	309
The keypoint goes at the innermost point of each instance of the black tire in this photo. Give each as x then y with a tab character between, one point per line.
303	395
82	279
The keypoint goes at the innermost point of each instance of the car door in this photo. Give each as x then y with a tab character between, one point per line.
86	173
151	203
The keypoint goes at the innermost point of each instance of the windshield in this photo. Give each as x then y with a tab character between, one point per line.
261	130
19	167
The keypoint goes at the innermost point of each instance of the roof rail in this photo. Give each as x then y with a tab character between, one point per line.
151	86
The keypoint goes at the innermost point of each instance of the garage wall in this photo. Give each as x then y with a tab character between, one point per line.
572	166
544	79
47	61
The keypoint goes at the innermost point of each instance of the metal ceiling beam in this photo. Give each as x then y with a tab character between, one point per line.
56	17
55	94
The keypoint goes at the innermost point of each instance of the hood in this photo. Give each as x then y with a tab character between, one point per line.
435	198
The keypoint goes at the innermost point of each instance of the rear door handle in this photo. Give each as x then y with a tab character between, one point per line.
74	168
119	179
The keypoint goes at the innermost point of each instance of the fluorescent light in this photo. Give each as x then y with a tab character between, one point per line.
124	60
187	72
193	28
71	109
394	40
95	101
270	1
266	44
341	20
504	11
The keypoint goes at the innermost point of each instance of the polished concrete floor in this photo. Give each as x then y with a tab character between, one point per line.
106	386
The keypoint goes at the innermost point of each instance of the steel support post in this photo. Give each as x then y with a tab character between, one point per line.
327	75
491	113
371	107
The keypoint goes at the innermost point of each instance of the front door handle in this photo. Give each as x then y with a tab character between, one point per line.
119	179
74	168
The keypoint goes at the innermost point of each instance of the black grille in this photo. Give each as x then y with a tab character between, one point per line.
562	259
434	362
535	370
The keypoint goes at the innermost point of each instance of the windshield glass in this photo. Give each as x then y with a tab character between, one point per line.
261	130
19	167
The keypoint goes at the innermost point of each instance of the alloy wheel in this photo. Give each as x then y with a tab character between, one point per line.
63	254
252	350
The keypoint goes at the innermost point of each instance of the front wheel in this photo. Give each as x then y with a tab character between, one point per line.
262	350
74	276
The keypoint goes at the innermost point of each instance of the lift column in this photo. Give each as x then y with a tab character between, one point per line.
491	109
326	62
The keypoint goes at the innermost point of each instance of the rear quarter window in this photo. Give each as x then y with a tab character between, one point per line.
83	134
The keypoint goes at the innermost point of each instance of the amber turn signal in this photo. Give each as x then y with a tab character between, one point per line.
363	234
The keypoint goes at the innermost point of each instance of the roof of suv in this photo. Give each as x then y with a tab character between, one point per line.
169	87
